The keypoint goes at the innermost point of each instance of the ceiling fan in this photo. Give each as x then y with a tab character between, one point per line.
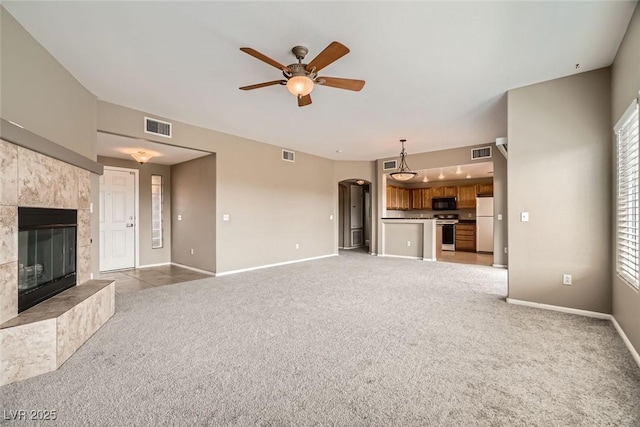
301	78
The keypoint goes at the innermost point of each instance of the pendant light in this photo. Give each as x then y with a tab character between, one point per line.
403	173
141	157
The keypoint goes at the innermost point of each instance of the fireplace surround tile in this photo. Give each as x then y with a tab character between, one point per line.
84	189
8	173
83	266
84	227
8	294
46	182
8	234
27	350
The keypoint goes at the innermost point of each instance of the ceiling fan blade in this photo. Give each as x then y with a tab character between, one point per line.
330	54
349	84
265	84
265	58
304	100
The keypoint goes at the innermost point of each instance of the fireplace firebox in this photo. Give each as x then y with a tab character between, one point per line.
46	253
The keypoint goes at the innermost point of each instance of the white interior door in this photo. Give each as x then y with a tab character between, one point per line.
117	219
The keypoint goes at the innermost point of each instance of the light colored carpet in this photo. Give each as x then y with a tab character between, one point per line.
353	340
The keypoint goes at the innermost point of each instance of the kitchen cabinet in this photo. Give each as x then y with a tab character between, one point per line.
392	197
448	191
397	198
403	198
427	194
416	198
484	189
465	237
467	197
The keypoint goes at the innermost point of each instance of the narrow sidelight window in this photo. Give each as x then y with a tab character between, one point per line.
627	203
156	211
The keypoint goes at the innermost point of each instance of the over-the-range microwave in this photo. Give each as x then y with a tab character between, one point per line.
444	203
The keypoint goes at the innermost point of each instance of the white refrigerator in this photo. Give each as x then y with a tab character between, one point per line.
484	224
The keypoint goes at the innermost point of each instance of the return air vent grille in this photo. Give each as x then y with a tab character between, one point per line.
357	237
288	156
481	153
157	127
389	165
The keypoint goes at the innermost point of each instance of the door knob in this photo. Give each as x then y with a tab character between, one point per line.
129	225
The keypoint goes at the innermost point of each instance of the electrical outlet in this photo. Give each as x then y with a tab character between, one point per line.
331	217
225	217
179	217
297	246
408	242
499	217
191	251
566	279
505	250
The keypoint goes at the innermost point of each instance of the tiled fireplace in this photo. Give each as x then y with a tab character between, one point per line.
42	337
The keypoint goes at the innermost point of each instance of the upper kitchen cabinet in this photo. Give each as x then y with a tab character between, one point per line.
416	198
398	198
403	198
448	191
427	194
392	197
484	189
467	196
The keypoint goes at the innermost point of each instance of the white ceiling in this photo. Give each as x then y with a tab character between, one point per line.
121	147
436	72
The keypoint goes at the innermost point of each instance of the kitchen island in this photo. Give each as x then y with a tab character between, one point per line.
410	238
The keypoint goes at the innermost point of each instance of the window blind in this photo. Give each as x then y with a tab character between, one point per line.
627	215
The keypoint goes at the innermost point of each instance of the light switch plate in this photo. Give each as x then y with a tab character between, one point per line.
499	217
524	216
179	217
225	217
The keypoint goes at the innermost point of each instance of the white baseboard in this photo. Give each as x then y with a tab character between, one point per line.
401	256
499	265
577	311
260	267
429	259
154	265
624	337
193	268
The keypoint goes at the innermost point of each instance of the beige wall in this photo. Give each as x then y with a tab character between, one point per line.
397	236
148	255
272	204
41	95
625	84
560	173
193	186
453	157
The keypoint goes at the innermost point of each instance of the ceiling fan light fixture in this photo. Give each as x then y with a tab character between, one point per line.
300	85
403	173
141	157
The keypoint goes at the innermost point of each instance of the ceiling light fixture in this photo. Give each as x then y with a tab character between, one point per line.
468	175
141	157
425	179
360	182
403	173
458	170
300	86
441	176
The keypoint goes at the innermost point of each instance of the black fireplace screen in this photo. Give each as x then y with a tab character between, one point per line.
46	254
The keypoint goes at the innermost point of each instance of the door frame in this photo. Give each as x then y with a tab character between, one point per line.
136	211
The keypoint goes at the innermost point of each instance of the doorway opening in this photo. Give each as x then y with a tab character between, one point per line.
354	215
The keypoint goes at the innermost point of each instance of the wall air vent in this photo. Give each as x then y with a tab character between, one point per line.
481	153
288	156
157	127
389	165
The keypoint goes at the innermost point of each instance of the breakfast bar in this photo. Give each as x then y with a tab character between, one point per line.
409	238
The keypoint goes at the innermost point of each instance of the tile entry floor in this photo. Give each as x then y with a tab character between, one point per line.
137	279
466	257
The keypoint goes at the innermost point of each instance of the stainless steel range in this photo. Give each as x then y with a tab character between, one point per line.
448	222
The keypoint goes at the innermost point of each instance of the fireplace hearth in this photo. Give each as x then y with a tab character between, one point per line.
47	246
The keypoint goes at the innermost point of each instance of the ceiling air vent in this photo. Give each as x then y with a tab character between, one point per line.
288	156
157	127
389	164
481	153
